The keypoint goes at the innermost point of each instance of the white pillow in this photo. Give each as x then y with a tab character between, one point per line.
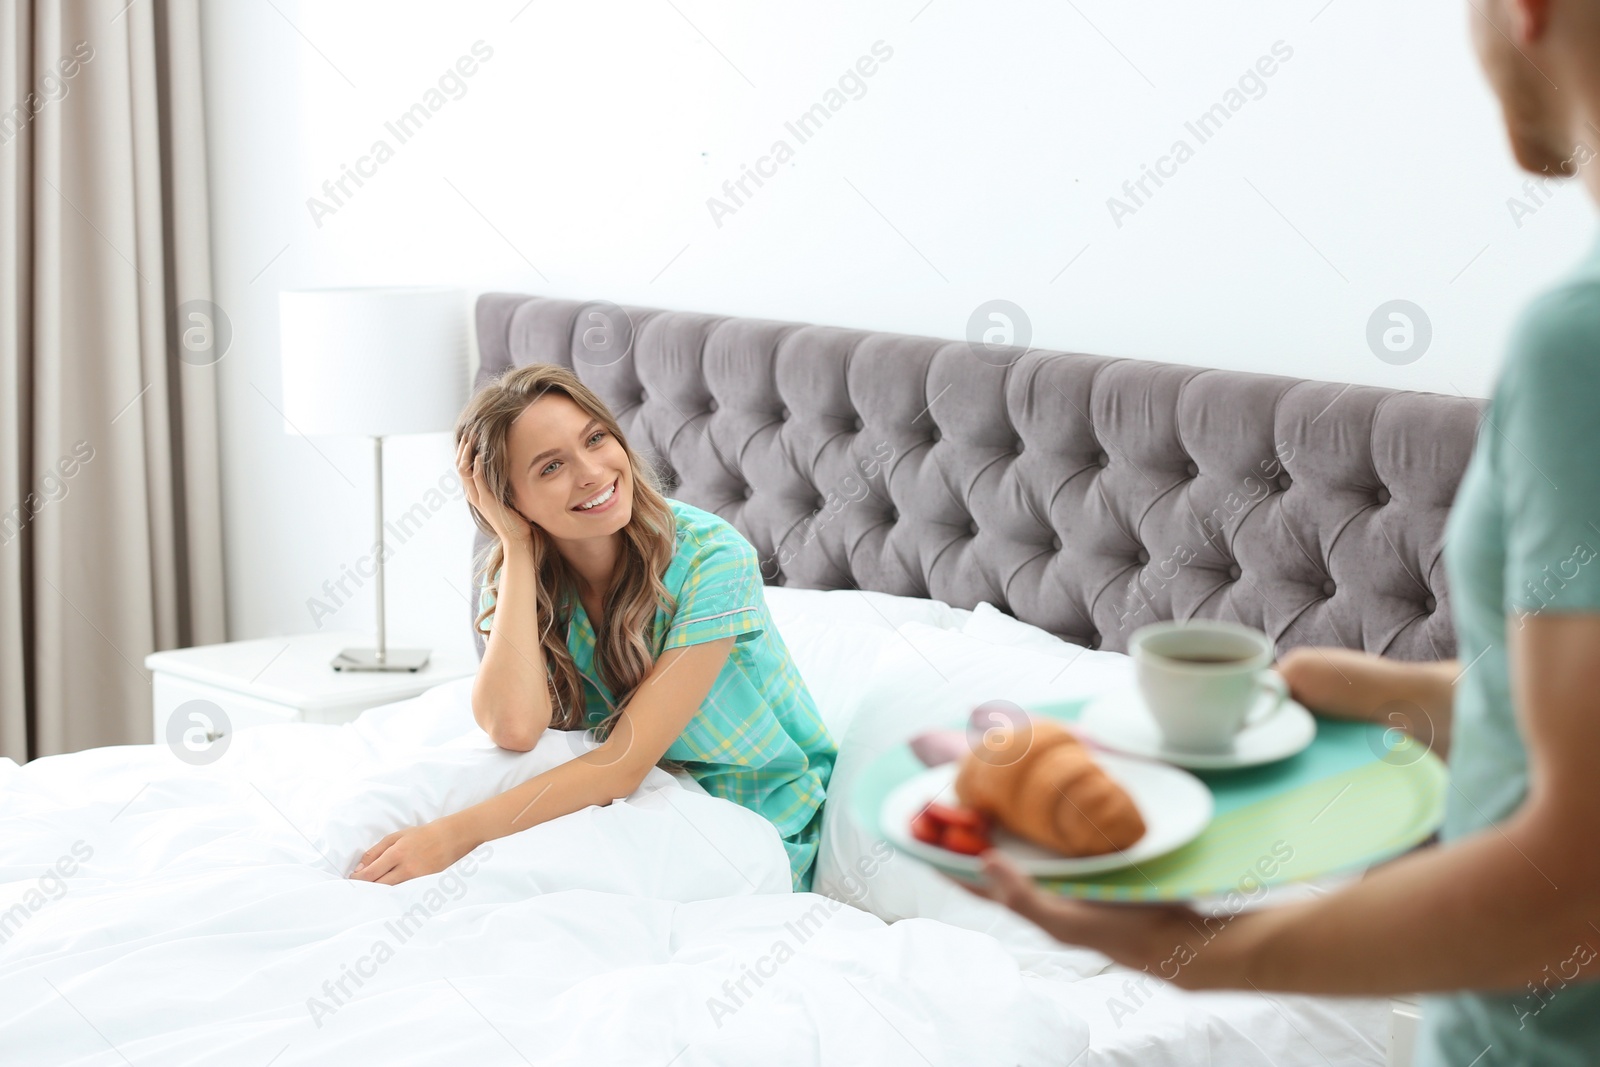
927	678
991	624
789	604
836	635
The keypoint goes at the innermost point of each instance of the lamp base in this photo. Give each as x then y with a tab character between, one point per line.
395	659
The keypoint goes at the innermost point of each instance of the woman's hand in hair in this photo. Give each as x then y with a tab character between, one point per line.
507	523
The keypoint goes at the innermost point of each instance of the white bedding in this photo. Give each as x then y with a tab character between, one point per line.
202	916
208	921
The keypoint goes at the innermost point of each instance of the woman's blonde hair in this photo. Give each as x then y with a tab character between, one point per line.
622	643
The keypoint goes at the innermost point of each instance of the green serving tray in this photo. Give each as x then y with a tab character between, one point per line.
1358	795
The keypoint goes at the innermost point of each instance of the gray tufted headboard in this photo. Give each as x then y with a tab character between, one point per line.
1083	494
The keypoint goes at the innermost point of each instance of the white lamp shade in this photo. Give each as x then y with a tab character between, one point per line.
373	362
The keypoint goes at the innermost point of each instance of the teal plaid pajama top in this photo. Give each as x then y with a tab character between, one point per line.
757	740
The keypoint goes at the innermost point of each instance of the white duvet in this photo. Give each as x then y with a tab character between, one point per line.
152	912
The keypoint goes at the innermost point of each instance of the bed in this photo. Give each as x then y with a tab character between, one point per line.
937	524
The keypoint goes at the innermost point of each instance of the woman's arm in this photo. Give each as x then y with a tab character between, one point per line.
510	695
1346	684
660	709
1488	913
668	698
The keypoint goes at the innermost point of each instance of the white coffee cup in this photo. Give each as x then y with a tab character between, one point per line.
1205	681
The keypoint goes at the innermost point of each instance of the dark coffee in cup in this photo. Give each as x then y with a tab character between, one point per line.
1203	682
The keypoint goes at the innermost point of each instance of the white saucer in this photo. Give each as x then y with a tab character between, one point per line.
1120	721
1175	805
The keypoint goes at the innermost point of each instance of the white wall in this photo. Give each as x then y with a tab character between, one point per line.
977	165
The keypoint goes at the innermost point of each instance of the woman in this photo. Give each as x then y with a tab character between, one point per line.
1502	921
613	609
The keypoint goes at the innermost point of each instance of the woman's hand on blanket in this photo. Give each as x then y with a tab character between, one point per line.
1170	941
414	852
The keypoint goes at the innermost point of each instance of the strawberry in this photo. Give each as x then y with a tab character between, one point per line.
965	818
965	841
927	829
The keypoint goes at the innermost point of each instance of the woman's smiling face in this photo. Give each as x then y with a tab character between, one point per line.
561	458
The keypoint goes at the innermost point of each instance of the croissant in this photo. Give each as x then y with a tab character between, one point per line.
1038	781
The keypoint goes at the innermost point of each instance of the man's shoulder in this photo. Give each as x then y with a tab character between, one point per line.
1554	354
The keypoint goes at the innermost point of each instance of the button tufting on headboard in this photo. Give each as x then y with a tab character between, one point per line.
1115	450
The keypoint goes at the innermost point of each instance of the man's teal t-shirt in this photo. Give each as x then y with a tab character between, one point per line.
1523	539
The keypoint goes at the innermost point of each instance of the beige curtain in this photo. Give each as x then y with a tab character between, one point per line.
110	516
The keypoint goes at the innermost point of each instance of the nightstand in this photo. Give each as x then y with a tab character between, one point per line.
285	679
1404	1018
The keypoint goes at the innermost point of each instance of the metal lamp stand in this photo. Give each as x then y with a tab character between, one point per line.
381	658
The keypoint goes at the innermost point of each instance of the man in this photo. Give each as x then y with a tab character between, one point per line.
1501	923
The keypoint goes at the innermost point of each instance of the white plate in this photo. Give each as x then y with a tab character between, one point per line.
1175	805
1120	721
